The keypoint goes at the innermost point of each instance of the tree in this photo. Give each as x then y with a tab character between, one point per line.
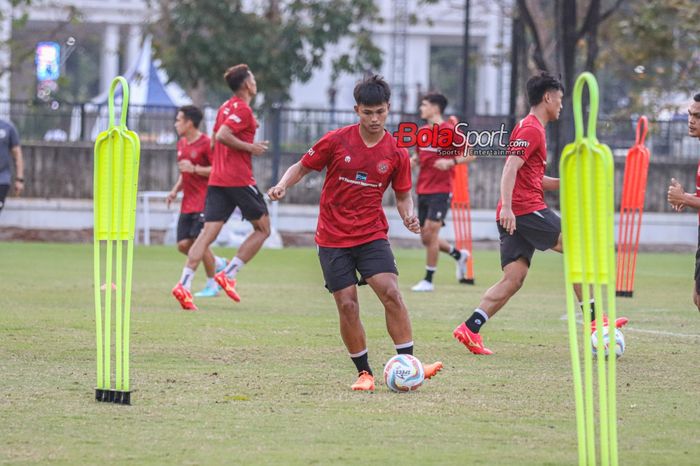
560	32
283	41
655	57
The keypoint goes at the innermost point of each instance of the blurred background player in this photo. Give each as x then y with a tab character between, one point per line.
524	221
361	161
9	147
194	164
231	185
434	189
679	199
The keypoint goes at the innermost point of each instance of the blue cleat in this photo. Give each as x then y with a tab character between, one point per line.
209	291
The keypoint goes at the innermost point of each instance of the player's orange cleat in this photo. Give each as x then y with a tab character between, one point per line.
364	382
184	297
431	369
470	339
619	322
228	285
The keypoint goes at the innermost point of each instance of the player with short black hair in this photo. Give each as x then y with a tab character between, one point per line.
194	164
524	221
434	189
679	199
231	185
361	160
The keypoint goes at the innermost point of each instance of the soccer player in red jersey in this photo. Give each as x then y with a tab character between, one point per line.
524	221
231	185
194	164
679	199
361	160
435	191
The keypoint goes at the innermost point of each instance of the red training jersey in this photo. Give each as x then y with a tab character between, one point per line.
351	210
697	188
528	142
194	187
231	167
430	179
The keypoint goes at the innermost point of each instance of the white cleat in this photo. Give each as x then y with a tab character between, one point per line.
461	269
423	285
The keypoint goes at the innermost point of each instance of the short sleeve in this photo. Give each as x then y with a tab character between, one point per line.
401	178
320	155
239	119
13	137
525	143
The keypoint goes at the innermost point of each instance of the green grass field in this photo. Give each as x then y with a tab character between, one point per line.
267	381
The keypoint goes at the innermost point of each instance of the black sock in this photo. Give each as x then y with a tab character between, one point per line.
429	274
362	363
592	305
455	253
475	322
405	349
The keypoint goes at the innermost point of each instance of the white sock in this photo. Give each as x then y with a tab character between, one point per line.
404	345
211	282
234	267
186	278
219	262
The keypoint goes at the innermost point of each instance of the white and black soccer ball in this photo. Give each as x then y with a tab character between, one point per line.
403	373
619	342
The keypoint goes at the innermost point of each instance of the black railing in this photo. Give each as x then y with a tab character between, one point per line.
294	129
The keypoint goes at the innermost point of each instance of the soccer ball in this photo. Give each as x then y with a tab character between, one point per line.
403	373
619	342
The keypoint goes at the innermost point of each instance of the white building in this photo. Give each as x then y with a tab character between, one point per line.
410	50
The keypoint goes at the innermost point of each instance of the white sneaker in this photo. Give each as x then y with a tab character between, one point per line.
423	285
461	269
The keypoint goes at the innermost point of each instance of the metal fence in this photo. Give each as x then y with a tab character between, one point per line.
293	130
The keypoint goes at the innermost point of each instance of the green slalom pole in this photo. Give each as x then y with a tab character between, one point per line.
117	155
587	191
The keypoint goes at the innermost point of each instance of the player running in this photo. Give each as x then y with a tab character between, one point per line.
193	162
361	160
679	199
524	221
434	193
231	185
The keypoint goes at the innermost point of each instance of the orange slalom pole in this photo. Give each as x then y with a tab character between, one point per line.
631	210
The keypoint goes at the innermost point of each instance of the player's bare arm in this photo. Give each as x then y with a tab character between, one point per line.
19	165
679	199
292	176
226	137
550	184
510	171
172	195
404	204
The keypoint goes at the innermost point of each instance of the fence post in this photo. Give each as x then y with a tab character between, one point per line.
276	111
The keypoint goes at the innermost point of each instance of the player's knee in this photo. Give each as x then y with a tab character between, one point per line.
184	246
392	298
349	309
262	227
515	281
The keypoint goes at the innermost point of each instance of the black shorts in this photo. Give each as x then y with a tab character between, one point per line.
222	201
697	265
538	230
433	207
339	264
189	226
4	189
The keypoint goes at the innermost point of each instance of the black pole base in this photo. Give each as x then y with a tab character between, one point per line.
112	396
466	281
624	294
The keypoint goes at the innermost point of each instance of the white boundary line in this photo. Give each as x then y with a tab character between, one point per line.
652	332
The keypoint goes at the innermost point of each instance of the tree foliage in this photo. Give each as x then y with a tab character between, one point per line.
281	40
655	54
